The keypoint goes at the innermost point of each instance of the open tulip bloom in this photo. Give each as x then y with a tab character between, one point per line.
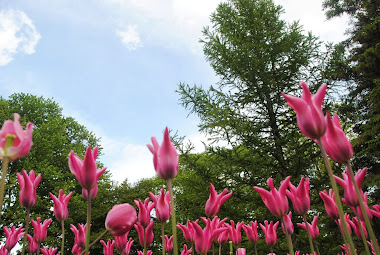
40	230
270	232
108	247
60	205
12	235
313	228
215	201
300	196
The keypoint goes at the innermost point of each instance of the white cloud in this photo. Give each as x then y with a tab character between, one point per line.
130	38
17	35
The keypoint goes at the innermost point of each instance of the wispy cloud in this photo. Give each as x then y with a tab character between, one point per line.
17	35
130	38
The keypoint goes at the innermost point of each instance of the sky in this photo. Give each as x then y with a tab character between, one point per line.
114	65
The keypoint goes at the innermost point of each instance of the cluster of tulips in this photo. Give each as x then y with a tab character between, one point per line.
15	142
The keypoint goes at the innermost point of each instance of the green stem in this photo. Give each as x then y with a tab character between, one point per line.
88	222
308	234
163	235
364	239
316	246
63	236
255	248
26	230
220	249
364	211
288	237
4	169
271	250
337	198
231	248
174	221
96	240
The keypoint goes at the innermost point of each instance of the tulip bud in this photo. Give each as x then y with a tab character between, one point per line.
60	205
215	201
48	251
80	234
12	235
270	232
40	230
108	247
120	219
28	188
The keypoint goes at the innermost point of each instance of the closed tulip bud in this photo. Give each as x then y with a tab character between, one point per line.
241	251
40	230
330	204
215	201
60	205
185	251
251	231
93	192
28	188
107	247
144	211
49	251
336	143
347	184
276	201
162	204
33	245
12	236
288	224
85	170
270	232
165	157
121	219
300	196
15	142
80	234
310	118
313	228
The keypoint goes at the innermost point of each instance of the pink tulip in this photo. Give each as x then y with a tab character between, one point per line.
85	170
270	232
203	237
288	224
347	219
300	196
185	251
127	248
121	242
108	247
93	192
371	245
168	243
48	251
144	211
241	251
188	231
251	231
142	252
357	210
348	186
120	219
22	139
376	211
214	224
224	236
3	251
76	250
276	201
215	201
33	245
148	237
356	227
60	205
336	143
28	188
313	228
80	234
330	204
12	236
235	234
40	230
310	118
165	157
162	204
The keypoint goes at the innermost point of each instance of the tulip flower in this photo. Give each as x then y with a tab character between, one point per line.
188	231
127	248
372	248
348	186
40	230
60	205
28	188
288	224
224	236
162	204
85	170
168	243
144	211
203	237
276	201
270	232
148	237
357	210
108	247
165	157
142	252
121	242
300	196
310	118
93	192
3	251
336	143
76	250
330	204
347	219
241	251
33	245
48	251
12	236
376	211
251	231
80	234
356	227
15	142
214	224
185	251
121	219
215	201
313	228
235	234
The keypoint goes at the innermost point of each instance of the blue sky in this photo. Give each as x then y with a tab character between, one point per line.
114	65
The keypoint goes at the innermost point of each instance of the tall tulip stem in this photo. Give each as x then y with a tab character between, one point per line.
88	222
96	240
26	230
162	237
288	237
255	248
63	236
364	211
308	234
337	197
4	168
174	221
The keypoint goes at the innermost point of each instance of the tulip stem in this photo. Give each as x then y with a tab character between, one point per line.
144	241
220	249
308	234
316	246
288	237
337	197
231	248
364	211
88	223
26	230
162	237
271	250
255	248
174	222
364	239
63	236
96	240
4	169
